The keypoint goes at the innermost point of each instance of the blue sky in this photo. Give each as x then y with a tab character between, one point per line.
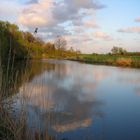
88	25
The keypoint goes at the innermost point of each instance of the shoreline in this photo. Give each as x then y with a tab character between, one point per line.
106	63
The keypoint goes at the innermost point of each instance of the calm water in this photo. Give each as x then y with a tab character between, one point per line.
75	101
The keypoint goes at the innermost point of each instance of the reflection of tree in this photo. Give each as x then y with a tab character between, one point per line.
0	74
12	77
60	100
19	73
55	96
60	110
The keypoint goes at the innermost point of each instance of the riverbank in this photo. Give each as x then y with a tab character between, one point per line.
108	59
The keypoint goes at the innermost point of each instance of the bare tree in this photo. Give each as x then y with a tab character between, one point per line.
60	43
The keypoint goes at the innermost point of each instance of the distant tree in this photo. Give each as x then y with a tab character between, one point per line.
118	50
114	50
60	43
78	52
71	49
122	51
49	47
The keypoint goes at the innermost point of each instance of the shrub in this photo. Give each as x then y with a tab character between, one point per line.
124	61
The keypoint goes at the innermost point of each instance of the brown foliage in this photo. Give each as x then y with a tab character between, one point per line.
124	61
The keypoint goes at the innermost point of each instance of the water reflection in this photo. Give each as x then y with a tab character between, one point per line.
131	78
70	100
62	94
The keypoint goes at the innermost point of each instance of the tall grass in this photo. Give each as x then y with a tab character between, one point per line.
9	128
13	126
115	60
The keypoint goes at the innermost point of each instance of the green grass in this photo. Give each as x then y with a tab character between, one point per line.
106	59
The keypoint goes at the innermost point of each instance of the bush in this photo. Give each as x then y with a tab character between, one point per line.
124	61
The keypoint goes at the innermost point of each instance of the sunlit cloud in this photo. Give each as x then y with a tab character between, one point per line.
48	11
91	24
134	29
69	18
102	35
37	14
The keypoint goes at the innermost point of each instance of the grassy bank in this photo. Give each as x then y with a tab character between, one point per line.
108	59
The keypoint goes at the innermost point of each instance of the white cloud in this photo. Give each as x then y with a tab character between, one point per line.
90	24
102	35
48	11
74	19
134	29
51	14
37	14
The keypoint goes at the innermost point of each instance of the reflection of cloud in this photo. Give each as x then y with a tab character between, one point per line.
137	90
65	93
37	95
130	78
72	125
99	74
133	78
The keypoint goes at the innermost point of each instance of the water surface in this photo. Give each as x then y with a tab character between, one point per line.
77	101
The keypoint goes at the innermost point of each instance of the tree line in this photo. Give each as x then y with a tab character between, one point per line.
16	44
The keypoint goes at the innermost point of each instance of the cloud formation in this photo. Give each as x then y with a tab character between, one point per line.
61	17
37	14
49	12
134	29
137	19
102	35
31	1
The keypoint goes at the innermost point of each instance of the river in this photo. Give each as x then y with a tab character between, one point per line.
77	101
